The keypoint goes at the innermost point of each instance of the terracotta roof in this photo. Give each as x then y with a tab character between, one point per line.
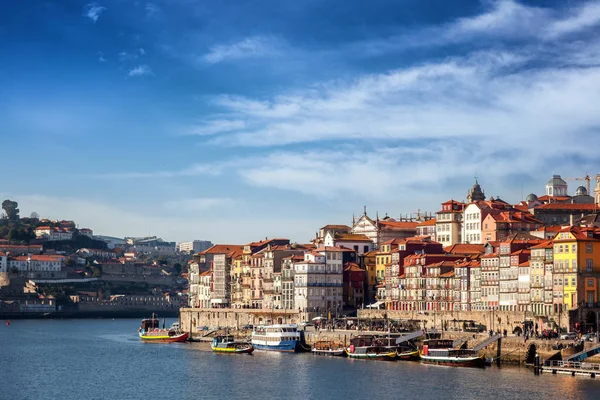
430	222
556	198
544	245
398	225
336	227
522	251
40	258
524	264
553	228
335	249
352	267
448	274
43	228
464	248
223	249
352	237
569	206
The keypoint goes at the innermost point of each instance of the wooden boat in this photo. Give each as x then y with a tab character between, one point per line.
441	352
405	351
150	331
408	355
328	348
363	347
226	344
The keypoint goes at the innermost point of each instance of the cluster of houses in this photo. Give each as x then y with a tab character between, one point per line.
541	256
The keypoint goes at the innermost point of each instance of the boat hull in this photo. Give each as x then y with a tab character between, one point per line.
409	356
233	350
285	347
331	353
474	362
373	356
182	337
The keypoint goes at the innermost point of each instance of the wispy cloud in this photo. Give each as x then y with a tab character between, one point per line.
251	47
101	57
151	9
200	203
93	11
214	127
125	56
193	170
141	70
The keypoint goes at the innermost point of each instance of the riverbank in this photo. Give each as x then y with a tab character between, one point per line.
173	313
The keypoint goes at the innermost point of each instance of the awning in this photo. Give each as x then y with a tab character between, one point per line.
375	305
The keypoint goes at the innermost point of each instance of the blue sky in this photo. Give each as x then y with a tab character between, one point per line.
233	121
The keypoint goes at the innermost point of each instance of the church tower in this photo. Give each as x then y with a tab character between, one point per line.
475	194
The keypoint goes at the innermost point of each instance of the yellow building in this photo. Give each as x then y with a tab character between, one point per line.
576	266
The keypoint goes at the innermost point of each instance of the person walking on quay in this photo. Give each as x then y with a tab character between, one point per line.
505	332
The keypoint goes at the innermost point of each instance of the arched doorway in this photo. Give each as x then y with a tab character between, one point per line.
590	321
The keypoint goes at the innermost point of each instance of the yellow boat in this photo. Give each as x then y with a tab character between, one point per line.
226	344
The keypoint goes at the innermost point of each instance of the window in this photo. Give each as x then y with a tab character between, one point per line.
573	282
573	248
588	248
589	265
574	265
590	283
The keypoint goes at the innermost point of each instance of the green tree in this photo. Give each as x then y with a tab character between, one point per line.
178	268
11	208
34	215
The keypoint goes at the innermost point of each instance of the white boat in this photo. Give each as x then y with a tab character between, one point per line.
281	337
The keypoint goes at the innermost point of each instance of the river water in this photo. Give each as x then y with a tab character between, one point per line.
105	359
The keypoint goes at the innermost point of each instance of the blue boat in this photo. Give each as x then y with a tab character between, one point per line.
281	337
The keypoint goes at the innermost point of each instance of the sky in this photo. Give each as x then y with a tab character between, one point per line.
238	120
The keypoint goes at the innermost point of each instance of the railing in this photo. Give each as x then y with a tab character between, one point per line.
573	364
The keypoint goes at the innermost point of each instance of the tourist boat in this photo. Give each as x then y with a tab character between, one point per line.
281	337
362	347
226	344
150	331
328	348
442	352
405	351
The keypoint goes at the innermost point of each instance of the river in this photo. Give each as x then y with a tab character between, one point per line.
105	359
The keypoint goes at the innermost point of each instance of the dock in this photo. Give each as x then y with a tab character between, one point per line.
573	368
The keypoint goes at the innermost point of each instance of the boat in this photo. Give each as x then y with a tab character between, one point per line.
442	352
280	337
405	351
328	348
150	331
363	347
226	344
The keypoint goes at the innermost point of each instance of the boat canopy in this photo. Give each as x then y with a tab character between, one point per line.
376	305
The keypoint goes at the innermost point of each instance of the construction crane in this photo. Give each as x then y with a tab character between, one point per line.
587	180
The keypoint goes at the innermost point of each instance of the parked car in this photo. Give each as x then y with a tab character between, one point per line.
569	336
250	327
306	323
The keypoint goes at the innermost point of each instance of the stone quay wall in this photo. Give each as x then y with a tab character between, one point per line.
453	320
195	319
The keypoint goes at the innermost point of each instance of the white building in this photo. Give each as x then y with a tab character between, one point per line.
318	282
358	242
471	224
53	234
86	232
37	263
194	247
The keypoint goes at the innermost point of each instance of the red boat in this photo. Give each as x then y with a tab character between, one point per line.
150	331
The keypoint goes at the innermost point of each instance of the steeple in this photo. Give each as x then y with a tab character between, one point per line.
475	194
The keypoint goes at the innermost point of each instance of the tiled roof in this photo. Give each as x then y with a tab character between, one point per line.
223	249
352	237
430	222
407	225
544	245
352	267
555	198
569	207
463	248
336	227
448	274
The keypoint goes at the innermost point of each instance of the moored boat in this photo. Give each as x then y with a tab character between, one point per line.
150	331
281	337
441	352
226	344
363	347
328	348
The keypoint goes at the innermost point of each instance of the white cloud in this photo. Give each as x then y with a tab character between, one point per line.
142	51
141	70
255	46
583	17
193	170
151	9
200	203
101	57
125	56
93	11
130	220
214	127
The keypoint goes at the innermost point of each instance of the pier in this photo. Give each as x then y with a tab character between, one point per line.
573	368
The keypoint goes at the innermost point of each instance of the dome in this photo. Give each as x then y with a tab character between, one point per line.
531	197
475	193
581	191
